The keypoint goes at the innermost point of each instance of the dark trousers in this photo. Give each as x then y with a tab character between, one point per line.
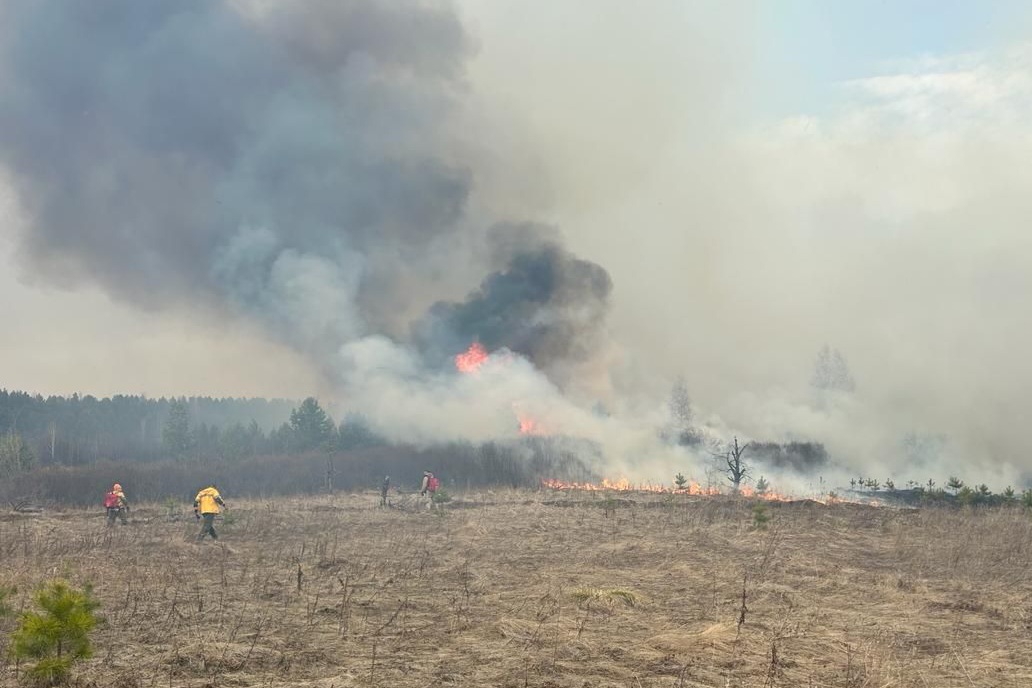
208	527
116	512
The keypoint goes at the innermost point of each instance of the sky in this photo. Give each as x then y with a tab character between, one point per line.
817	45
758	179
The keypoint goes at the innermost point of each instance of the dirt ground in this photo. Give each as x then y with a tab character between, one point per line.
546	589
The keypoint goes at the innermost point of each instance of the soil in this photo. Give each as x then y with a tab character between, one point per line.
548	589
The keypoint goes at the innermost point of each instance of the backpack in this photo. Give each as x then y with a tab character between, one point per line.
433	484
111	501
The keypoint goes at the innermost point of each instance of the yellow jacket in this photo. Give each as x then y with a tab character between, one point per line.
208	501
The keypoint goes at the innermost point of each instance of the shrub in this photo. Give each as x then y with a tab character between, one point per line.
441	496
760	516
966	496
1026	499
58	635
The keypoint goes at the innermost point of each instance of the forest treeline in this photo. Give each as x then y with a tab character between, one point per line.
66	449
83	429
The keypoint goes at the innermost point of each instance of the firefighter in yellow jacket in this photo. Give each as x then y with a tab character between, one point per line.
206	504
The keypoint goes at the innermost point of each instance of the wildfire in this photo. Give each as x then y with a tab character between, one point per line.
528	426
470	360
625	485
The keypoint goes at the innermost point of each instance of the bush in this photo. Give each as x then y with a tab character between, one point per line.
58	635
760	516
1026	499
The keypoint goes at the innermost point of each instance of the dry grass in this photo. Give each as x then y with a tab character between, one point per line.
537	589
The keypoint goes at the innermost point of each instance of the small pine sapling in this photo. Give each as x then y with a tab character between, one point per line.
760	516
1026	499
58	635
762	486
966	496
680	481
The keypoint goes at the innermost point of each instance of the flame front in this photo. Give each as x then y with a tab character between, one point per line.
471	359
625	485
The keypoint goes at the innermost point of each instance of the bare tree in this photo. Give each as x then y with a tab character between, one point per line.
736	470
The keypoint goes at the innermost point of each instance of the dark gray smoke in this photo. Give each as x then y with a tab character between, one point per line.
290	160
543	303
804	458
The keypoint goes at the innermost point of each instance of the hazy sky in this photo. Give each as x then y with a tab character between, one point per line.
759	179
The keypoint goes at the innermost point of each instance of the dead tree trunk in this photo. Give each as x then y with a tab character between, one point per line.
736	469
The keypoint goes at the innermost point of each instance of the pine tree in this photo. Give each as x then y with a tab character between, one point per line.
58	635
311	427
175	435
831	372
15	454
682	414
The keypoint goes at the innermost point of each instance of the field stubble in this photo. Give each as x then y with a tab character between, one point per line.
543	589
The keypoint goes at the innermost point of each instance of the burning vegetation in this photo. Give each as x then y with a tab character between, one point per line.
472	360
689	487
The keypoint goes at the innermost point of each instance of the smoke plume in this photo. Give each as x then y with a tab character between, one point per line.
299	163
544	304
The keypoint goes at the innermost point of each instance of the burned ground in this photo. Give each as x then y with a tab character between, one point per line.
513	589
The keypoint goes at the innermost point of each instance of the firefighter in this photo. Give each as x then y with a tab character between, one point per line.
117	505
428	488
206	505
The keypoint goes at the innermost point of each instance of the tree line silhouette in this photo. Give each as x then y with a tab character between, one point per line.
83	429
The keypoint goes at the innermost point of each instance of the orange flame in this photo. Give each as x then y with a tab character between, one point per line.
625	485
528	426
471	359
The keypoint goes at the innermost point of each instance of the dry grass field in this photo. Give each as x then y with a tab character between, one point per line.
543	589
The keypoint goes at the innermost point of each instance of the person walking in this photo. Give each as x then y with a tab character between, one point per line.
206	506
428	488
117	505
